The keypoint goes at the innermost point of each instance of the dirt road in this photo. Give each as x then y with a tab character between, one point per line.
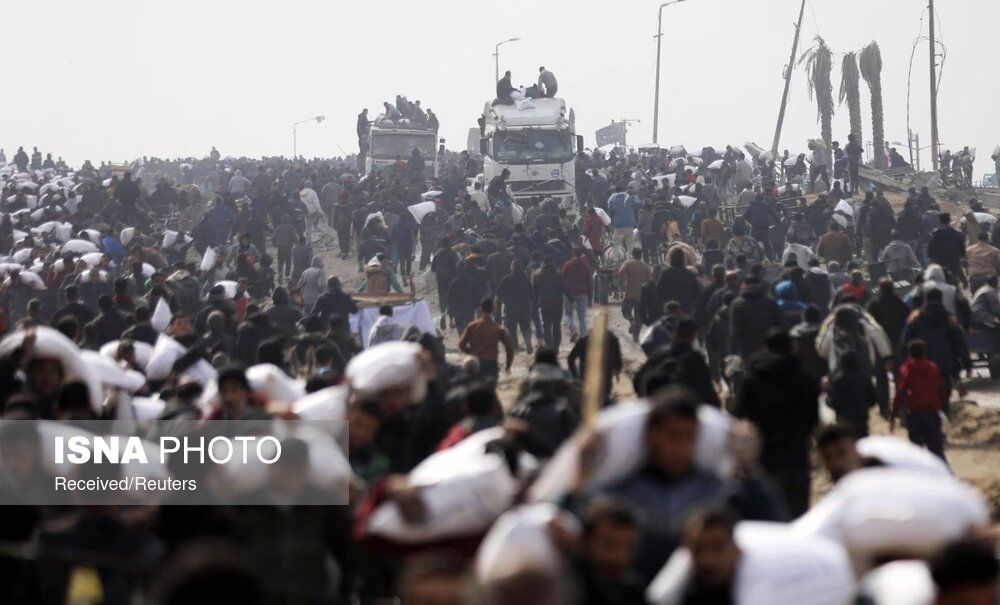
973	448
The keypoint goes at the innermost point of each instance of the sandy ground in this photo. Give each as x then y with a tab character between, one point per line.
973	447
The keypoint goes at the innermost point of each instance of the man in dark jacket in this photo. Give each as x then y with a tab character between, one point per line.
73	308
549	290
782	401
761	215
946	344
751	316
254	330
678	283
334	301
680	363
109	323
513	303
947	247
464	296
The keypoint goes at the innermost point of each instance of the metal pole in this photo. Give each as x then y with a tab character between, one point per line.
916	143
656	94
295	142
933	66
496	63
788	82
909	146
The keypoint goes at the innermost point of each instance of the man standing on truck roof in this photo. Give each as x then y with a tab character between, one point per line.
363	126
547	83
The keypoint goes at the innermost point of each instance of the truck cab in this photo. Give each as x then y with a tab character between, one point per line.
388	142
537	144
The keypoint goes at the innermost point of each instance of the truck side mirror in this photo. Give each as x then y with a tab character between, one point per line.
579	143
483	146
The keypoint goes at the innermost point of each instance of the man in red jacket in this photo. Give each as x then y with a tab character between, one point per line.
920	388
579	280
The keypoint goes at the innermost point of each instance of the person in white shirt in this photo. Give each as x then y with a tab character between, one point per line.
480	198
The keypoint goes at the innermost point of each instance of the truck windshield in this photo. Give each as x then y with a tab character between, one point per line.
390	145
532	147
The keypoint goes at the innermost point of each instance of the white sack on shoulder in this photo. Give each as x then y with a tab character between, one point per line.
160	319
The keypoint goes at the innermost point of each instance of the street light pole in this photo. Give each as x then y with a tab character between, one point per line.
659	44
496	58
295	127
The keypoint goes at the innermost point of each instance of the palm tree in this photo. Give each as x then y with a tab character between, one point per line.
819	65
850	90
870	65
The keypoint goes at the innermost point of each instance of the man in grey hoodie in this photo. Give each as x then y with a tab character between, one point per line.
312	282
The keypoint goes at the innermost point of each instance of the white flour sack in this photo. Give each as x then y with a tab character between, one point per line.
327	407
777	567
899	583
273	382
463	489
900	453
895	512
622	430
52	344
521	539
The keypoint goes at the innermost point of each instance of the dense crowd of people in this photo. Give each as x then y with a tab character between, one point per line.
753	310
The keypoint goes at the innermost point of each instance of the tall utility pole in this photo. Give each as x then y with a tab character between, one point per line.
788	81
933	54
656	86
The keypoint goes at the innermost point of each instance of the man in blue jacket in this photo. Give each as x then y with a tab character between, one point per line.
622	208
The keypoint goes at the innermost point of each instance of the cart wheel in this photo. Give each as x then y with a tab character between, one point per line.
601	289
993	362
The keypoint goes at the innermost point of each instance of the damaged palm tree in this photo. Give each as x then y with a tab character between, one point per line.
819	66
850	91
870	65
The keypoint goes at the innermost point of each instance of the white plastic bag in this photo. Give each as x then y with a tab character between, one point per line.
126	235
716	165
686	200
604	216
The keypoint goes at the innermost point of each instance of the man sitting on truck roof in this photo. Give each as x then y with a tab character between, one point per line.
504	88
547	83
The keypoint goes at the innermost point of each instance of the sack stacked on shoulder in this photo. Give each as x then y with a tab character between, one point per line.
52	344
898	583
777	567
894	511
900	453
464	490
622	429
521	539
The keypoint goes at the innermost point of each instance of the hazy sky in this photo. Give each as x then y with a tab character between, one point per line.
115	79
